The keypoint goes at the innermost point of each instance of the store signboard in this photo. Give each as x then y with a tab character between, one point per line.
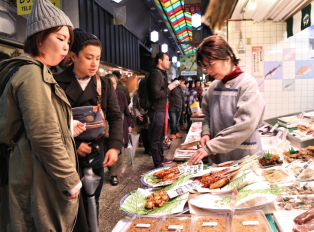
188	65
258	62
25	6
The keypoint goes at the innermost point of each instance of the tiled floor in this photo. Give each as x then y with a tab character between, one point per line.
130	179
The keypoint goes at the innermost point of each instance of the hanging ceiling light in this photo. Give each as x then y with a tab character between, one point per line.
101	70
174	59
178	64
164	48
117	1
154	36
196	20
252	4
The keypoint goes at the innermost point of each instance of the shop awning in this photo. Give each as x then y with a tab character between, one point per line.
301	20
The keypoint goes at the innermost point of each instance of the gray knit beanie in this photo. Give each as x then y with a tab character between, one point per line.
45	15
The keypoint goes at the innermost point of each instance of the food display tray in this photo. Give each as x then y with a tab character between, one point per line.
250	216
284	219
129	227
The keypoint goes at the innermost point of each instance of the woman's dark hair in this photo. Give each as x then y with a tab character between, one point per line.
214	48
198	80
31	44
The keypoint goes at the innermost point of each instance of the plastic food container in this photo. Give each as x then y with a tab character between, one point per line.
172	223
141	224
276	175
252	221
211	223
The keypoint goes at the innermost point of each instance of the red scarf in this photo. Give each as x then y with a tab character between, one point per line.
237	72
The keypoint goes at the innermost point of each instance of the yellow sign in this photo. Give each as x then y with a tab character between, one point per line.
25	6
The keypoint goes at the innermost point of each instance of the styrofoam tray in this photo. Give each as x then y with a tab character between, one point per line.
284	219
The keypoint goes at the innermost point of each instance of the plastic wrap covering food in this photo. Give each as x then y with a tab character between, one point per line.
143	225
304	217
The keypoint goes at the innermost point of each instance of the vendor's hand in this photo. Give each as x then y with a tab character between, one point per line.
198	156
171	86
130	129
78	128
75	195
84	149
111	157
204	140
141	117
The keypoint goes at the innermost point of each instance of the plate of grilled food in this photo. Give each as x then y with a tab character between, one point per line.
147	202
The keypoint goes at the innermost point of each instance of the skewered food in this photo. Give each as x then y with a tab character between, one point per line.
296	189
273	160
215	179
274	175
304	217
157	199
164	172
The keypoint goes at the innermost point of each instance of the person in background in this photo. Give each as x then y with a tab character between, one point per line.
184	92
79	81
121	87
199	91
233	106
139	113
187	85
176	107
44	183
116	169
191	98
158	91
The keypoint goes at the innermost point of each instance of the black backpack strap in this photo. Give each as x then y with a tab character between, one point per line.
7	78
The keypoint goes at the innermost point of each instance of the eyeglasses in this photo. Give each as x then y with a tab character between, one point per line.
211	65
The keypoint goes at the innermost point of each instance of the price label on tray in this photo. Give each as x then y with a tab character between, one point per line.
180	190
308	163
250	223
210	224
143	225
175	227
274	127
163	184
283	146
194	169
182	168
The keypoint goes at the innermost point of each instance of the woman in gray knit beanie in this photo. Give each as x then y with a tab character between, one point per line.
43	182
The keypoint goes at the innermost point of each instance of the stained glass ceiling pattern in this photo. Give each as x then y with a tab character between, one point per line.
180	22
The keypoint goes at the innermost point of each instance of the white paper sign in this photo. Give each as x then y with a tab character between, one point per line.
210	224
274	127
180	190
163	184
285	133
175	227
250	223
182	168
143	225
258	62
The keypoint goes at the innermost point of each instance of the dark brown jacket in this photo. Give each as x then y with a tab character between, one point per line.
109	103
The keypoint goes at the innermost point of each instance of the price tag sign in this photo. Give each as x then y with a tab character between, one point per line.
189	170
175	227
199	167
233	200
182	168
172	193
163	184
274	127
308	163
250	223
143	225
213	224
285	133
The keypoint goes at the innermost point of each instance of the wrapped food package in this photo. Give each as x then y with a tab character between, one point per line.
304	217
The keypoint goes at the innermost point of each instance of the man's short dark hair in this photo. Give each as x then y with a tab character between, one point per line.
117	73
4	56
181	78
160	55
95	42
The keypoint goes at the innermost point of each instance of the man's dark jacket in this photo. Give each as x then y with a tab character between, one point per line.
176	99
158	90
109	104
124	89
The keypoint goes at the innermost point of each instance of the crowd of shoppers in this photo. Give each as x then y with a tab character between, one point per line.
44	191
